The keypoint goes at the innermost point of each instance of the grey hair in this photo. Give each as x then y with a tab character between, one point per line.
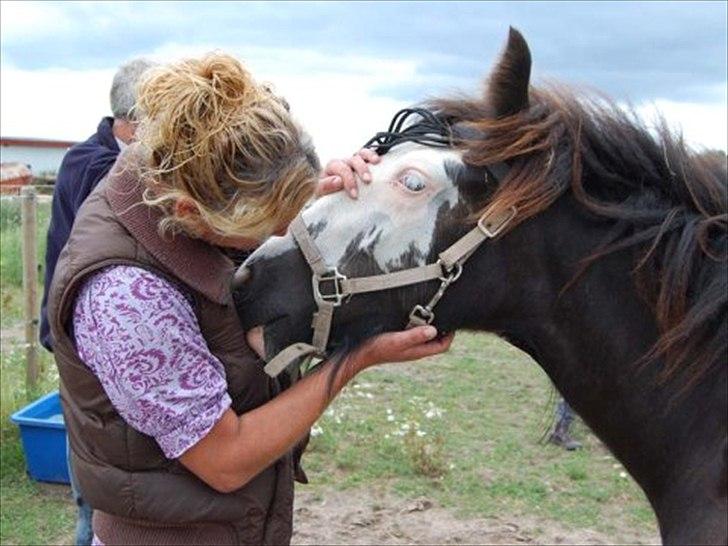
125	85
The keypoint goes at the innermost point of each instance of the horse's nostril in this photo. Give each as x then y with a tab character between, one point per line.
242	276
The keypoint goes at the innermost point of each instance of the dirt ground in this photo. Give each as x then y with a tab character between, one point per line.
367	517
363	517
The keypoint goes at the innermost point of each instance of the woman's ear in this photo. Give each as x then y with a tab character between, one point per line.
507	90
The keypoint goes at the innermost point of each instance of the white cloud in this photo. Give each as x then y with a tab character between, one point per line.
334	97
53	103
25	21
702	125
22	21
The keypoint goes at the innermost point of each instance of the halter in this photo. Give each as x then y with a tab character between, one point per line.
331	288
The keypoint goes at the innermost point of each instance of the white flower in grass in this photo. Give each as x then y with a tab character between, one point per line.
316	430
433	412
421	433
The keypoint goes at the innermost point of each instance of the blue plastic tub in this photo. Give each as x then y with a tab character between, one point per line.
43	434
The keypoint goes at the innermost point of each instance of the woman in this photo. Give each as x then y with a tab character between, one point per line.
177	436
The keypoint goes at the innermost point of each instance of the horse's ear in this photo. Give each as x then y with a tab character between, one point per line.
507	89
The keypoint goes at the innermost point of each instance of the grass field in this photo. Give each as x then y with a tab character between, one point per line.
463	429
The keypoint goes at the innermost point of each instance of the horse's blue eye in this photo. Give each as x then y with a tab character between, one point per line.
412	181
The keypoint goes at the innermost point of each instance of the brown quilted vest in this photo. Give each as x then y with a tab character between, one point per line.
139	495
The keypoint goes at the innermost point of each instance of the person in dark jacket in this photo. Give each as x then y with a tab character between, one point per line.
83	166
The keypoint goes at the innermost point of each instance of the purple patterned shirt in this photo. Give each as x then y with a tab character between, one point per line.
139	335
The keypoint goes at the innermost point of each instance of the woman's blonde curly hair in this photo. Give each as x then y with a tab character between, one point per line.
225	145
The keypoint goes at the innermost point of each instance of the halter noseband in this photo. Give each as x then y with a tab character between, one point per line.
331	288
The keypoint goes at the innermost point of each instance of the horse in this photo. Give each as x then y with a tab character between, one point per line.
601	253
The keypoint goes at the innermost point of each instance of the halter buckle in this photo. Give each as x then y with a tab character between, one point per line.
493	222
336	296
421	315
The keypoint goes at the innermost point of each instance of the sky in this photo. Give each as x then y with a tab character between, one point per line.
347	67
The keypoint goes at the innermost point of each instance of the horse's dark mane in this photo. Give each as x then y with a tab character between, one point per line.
661	197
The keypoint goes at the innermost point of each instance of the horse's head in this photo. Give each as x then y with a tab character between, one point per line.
421	200
416	204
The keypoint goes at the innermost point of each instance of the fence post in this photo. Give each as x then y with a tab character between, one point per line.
29	203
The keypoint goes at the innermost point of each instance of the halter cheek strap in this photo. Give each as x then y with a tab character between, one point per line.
331	289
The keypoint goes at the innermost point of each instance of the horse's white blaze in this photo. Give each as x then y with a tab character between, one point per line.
390	220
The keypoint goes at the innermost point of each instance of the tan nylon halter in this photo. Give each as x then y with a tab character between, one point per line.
447	269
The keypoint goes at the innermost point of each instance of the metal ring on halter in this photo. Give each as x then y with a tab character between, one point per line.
422	313
453	273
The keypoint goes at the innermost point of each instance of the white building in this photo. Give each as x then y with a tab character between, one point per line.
43	156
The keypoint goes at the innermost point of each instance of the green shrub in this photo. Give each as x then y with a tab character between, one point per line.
426	454
9	213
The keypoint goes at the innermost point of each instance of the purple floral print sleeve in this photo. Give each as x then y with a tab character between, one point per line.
139	335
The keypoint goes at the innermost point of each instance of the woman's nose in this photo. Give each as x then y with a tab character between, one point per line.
241	277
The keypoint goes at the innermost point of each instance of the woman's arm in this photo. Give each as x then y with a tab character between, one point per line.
237	448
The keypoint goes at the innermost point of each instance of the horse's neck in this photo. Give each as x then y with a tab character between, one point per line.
589	341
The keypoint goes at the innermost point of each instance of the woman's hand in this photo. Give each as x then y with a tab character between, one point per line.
342	174
411	344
